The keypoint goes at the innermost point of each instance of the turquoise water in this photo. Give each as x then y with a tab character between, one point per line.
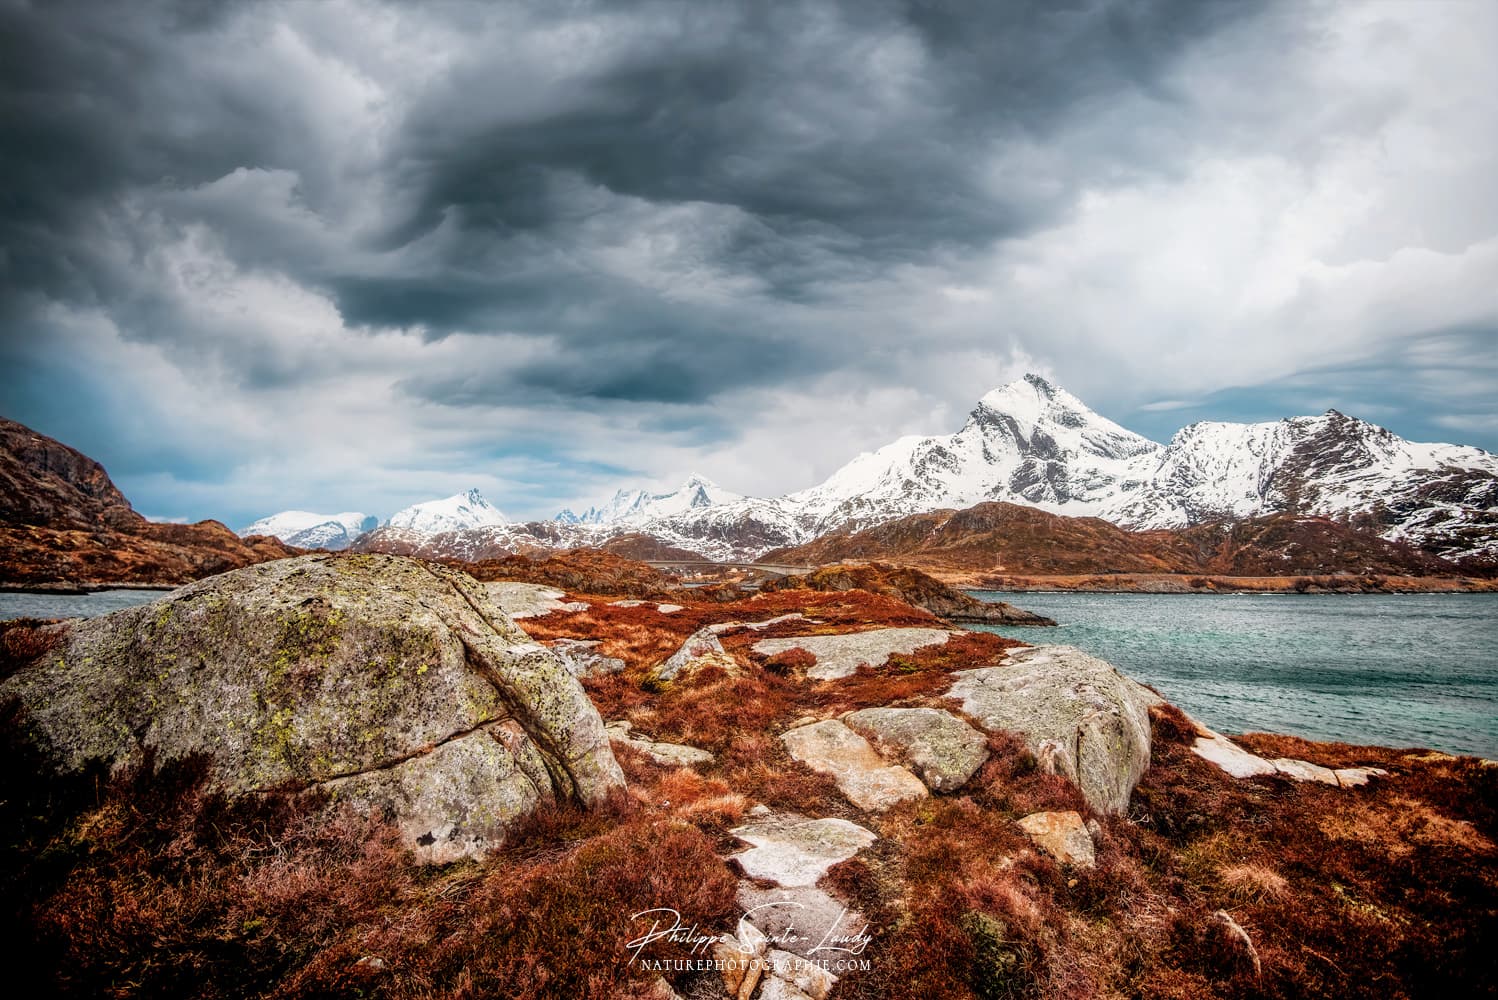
1405	670
1398	670
72	605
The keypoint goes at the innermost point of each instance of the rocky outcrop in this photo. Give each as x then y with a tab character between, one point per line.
582	658
913	587
530	600
669	754
942	749
791	850
63	522
842	654
1079	716
702	649
862	776
1238	762
384	682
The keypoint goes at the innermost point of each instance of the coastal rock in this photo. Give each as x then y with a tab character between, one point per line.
669	754
582	658
861	774
1229	756
702	649
841	655
1304	771
1353	777
530	600
387	683
792	850
1238	762
1079	716
1063	836
942	749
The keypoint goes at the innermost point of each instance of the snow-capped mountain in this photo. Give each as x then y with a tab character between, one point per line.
309	530
1032	443
1035	444
639	507
455	513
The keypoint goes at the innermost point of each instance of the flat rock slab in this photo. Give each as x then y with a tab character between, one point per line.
1352	777
530	600
942	749
723	628
1079	716
792	850
792	977
669	754
665	609
861	774
798	919
1063	836
1229	756
842	655
1238	762
582	658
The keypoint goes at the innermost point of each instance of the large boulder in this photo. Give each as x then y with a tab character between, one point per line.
1078	714
385	682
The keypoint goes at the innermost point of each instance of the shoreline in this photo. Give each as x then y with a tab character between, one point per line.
81	589
1145	583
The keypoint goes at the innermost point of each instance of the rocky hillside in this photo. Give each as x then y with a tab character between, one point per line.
1006	538
354	776
911	586
63	522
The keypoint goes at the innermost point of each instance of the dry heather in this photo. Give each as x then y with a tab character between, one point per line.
142	886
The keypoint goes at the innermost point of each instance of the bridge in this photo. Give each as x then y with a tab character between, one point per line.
705	566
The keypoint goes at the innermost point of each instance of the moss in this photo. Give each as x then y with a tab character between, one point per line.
998	965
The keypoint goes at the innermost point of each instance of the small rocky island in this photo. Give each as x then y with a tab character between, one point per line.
377	775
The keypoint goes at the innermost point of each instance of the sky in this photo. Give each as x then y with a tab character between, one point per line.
352	255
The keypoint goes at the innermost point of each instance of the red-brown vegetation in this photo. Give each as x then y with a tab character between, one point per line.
144	886
584	571
1009	539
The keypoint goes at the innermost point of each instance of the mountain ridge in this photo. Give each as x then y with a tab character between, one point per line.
1032	443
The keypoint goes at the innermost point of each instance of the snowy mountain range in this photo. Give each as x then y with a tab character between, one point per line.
638	507
307	530
1035	444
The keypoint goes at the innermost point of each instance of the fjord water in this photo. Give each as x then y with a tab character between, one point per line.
101	602
1391	670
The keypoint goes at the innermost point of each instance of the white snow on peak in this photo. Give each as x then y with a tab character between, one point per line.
309	530
638	507
459	511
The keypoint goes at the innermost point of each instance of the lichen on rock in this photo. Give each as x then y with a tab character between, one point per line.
384	681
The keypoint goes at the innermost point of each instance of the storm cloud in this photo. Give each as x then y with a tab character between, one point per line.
355	254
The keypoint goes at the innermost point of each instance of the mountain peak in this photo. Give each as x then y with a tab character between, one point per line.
1026	394
469	509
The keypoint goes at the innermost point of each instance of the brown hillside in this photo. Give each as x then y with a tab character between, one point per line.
584	571
1006	538
63	522
911	586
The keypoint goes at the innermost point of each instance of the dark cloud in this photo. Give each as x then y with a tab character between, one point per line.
649	212
846	137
